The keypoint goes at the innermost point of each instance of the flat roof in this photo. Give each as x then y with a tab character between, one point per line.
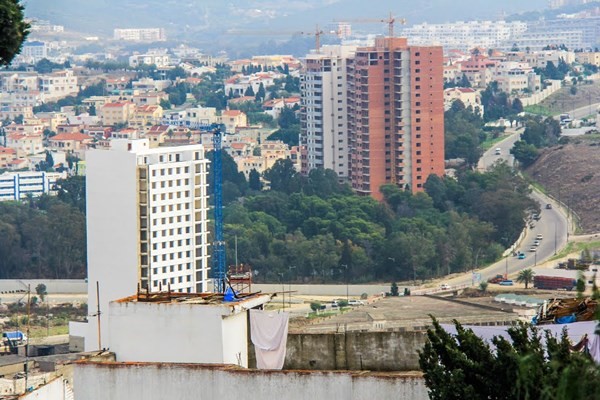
242	300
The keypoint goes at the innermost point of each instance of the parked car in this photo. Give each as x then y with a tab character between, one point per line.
356	303
498	151
539	237
532	249
445	286
506	282
536	242
548	206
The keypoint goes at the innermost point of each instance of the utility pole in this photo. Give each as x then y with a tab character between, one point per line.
346	268
290	286
282	290
28	334
554	238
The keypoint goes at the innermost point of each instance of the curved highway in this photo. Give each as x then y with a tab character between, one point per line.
553	226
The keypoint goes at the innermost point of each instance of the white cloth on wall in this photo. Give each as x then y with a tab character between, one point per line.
268	332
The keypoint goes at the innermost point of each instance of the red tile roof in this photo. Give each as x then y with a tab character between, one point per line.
232	113
79	137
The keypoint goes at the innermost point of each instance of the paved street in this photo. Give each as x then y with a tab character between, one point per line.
552	226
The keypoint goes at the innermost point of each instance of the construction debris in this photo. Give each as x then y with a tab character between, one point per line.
565	311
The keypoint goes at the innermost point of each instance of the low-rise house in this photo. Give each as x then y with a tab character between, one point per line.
76	142
274	107
145	116
116	113
157	134
25	144
7	155
233	119
468	96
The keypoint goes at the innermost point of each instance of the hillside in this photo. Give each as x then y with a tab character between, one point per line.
571	173
192	19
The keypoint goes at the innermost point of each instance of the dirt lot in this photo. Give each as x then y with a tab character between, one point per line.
564	101
571	173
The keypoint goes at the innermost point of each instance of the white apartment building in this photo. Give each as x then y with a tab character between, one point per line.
43	88
20	185
57	85
464	35
147	223
324	130
160	60
33	51
140	35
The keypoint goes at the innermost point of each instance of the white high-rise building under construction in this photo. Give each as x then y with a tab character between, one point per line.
147	224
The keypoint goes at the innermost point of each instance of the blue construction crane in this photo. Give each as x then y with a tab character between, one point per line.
218	253
219	243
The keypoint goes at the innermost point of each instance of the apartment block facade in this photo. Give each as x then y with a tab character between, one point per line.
20	185
324	88
393	108
147	223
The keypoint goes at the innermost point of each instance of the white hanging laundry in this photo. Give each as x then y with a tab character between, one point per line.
268	332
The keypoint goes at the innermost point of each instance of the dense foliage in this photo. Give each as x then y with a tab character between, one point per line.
463	133
530	365
539	132
318	226
42	238
14	30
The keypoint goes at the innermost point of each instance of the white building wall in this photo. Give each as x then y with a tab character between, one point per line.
152	232
58	389
171	332
112	234
186	382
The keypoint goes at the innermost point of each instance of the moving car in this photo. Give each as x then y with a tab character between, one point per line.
444	286
498	151
506	282
356	303
548	206
521	256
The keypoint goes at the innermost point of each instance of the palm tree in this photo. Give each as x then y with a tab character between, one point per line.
525	276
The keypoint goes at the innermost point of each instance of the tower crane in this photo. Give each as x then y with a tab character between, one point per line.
317	33
218	247
390	21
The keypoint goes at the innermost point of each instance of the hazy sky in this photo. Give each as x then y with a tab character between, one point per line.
101	16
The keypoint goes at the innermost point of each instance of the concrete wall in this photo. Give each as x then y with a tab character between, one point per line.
173	332
112	234
139	381
374	351
542	95
63	286
55	390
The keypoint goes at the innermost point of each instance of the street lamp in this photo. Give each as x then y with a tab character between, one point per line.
346	268
290	286
554	238
282	289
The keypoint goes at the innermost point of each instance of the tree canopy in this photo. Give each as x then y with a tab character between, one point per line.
14	30
529	365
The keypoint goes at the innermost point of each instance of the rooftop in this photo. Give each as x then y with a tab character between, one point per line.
240	302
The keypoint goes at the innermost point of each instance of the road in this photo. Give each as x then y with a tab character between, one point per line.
553	226
584	111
